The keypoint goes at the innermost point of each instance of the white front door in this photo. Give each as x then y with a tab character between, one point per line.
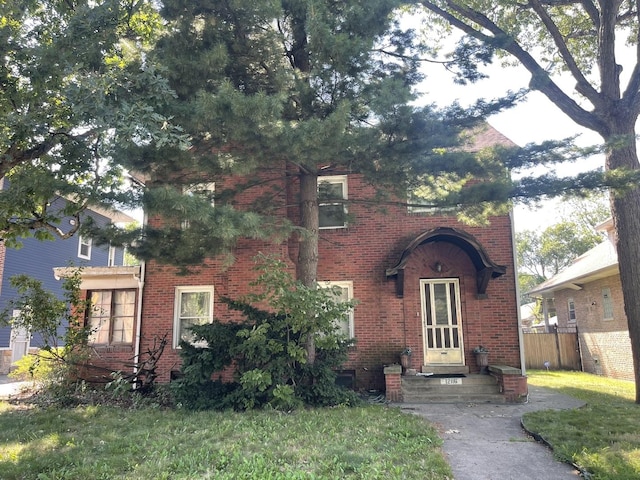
441	321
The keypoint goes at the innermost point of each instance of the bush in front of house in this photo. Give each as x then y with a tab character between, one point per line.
268	352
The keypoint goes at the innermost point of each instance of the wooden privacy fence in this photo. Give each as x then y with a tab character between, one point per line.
561	350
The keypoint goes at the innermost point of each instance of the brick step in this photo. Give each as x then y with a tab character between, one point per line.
455	389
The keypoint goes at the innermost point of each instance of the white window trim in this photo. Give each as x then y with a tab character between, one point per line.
335	179
176	307
82	241
348	285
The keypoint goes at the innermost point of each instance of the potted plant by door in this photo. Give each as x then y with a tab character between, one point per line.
482	358
405	358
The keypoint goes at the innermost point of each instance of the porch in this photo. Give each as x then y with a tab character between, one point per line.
503	384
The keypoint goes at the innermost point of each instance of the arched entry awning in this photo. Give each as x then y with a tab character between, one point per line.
485	268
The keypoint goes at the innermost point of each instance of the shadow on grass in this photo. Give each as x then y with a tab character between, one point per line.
603	436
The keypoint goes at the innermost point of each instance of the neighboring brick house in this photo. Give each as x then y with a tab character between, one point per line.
588	295
37	259
422	280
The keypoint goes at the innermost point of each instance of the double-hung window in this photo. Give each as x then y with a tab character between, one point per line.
343	293
423	199
332	194
571	307
111	317
203	190
84	247
607	304
193	306
111	260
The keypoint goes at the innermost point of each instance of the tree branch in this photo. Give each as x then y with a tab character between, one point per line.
632	93
592	11
582	86
609	69
540	79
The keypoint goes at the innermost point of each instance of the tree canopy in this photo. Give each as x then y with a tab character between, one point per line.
543	254
76	89
295	90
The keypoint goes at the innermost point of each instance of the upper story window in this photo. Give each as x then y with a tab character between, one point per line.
193	306
202	190
571	306
84	247
607	304
111	317
332	210
423	199
111	260
344	293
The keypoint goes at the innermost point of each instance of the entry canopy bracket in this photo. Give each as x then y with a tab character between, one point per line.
485	268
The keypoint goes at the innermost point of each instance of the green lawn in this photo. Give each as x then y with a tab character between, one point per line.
602	437
371	442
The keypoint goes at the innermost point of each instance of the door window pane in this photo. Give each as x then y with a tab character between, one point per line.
441	304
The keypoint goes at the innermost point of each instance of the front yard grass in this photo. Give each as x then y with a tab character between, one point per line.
101	442
603	437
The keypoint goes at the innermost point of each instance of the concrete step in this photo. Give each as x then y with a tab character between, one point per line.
453	398
444	369
471	388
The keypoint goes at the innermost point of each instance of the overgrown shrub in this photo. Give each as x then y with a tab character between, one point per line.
61	364
57	323
267	351
39	367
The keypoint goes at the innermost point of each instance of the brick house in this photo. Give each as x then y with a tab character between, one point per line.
422	280
588	295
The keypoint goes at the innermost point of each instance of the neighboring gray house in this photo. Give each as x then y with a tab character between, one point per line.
588	295
37	259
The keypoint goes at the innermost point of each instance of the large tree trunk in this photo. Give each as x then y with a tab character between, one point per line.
625	209
307	266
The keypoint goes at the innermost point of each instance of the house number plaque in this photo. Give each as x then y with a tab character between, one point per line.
451	381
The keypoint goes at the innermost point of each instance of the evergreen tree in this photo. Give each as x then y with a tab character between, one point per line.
581	39
293	89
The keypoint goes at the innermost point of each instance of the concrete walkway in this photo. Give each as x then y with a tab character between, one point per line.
11	388
487	442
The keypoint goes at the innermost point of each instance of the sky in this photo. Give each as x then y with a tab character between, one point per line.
535	120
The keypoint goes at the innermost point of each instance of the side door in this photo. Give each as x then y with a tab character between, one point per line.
20	340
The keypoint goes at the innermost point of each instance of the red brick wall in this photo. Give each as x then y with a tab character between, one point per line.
604	344
384	324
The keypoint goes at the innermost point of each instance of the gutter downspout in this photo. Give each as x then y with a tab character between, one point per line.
138	341
515	266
